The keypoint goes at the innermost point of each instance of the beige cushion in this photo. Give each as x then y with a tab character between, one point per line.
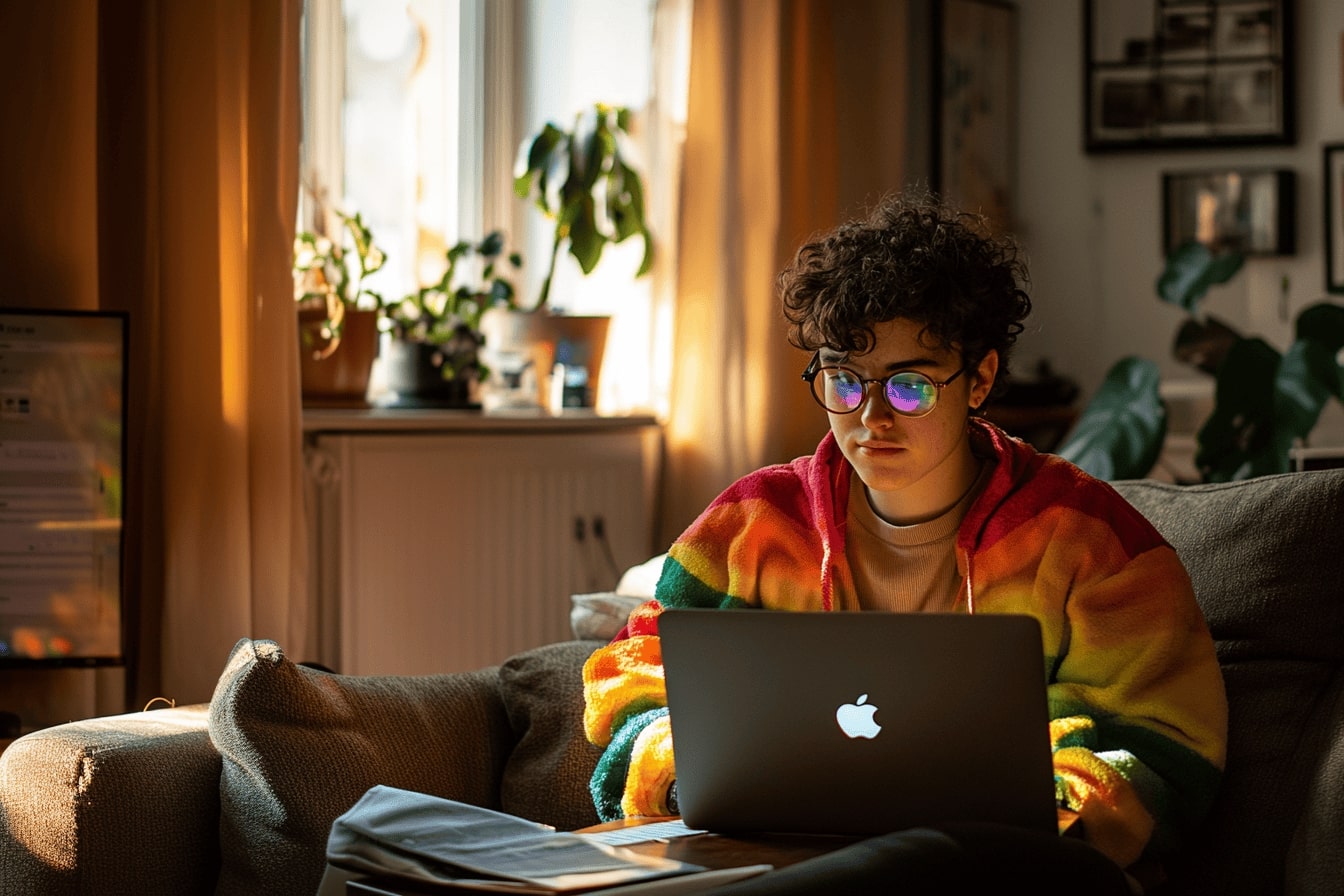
300	747
547	776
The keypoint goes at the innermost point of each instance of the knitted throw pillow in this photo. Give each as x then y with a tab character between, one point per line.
546	778
300	747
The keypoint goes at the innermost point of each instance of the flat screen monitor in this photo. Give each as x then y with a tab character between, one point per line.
62	450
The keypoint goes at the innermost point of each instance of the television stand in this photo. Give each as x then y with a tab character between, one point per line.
11	726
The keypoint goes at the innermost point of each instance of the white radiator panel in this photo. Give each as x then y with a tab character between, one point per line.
456	551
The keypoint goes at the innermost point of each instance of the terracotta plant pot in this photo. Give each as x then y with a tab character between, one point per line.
580	343
335	373
545	340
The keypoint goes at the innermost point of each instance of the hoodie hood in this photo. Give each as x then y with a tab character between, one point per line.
826	477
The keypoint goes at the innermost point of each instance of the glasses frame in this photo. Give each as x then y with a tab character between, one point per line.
815	367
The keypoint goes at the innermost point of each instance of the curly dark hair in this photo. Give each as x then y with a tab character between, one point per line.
912	257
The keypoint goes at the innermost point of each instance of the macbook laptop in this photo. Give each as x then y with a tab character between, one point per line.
857	723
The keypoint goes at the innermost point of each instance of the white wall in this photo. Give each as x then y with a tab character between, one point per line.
1091	223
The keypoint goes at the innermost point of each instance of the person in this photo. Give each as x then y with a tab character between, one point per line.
913	502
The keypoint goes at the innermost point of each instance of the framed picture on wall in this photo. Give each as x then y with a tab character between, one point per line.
1163	74
1334	217
1250	212
975	159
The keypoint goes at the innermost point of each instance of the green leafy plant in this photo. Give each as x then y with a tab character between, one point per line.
436	330
1191	271
332	271
580	180
1119	435
1265	401
473	281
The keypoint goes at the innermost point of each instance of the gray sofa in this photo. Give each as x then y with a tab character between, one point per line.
237	797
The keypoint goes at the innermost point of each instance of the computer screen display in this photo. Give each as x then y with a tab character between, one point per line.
62	448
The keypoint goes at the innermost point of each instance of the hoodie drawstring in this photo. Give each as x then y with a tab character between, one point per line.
970	595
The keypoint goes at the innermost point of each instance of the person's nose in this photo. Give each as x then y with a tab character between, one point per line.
876	413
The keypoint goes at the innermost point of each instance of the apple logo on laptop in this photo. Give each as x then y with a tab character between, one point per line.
856	719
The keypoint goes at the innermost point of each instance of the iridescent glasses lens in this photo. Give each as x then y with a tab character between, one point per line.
841	390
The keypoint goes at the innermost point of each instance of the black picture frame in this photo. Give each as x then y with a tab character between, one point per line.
1165	74
1251	211
1333	176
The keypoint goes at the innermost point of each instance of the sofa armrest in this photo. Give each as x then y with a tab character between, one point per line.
117	804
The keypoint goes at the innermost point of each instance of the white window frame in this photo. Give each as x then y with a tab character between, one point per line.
486	98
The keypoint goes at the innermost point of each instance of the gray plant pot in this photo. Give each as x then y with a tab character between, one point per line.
423	374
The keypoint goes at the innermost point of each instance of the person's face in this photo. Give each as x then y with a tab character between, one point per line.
912	466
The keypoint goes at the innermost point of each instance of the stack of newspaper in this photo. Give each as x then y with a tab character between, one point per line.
426	841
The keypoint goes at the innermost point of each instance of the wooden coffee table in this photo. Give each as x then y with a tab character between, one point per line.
780	850
728	850
712	851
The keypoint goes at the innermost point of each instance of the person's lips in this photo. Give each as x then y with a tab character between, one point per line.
877	447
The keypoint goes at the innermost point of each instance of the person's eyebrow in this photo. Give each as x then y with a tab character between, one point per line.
832	357
910	363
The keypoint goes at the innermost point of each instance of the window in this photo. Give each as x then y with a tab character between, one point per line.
394	125
414	111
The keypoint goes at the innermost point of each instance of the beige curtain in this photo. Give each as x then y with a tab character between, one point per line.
796	117
198	130
149	165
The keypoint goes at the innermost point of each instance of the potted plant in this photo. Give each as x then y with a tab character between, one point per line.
580	180
1265	402
338	313
432	356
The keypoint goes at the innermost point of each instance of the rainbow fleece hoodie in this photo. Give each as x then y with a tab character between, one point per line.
1137	704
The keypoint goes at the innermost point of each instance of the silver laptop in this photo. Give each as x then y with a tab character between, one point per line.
857	723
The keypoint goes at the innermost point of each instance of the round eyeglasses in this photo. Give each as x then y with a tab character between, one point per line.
841	391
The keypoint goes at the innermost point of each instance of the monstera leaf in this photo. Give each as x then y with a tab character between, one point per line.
1240	438
1323	326
1265	403
1119	435
1191	270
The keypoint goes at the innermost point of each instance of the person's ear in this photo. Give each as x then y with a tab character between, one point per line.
982	378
